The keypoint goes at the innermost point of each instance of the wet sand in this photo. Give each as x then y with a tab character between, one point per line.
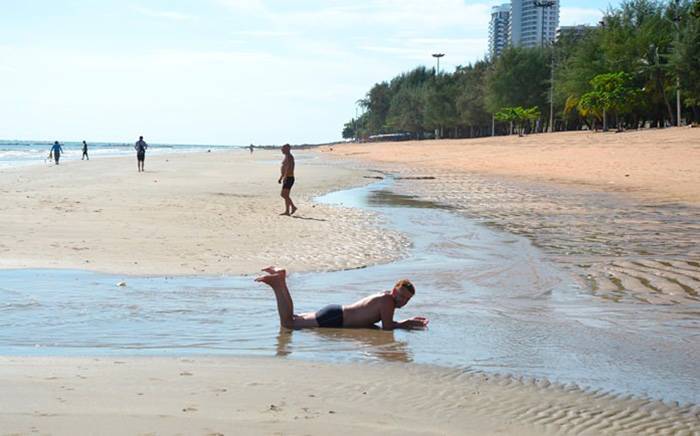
208	396
205	213
622	211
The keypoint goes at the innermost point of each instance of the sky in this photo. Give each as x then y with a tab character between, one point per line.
226	72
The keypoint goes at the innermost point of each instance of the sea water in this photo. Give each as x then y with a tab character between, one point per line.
22	153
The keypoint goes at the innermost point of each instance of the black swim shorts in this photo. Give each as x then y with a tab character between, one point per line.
141	155
288	183
330	316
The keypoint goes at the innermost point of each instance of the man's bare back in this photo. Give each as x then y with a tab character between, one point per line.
364	313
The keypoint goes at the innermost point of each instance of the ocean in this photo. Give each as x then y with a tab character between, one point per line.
15	153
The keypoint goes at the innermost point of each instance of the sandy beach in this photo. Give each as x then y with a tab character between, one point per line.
207	396
217	213
663	165
206	213
618	209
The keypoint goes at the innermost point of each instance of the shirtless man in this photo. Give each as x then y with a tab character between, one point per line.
287	175
363	313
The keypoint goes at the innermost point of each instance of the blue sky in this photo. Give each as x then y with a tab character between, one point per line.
221	71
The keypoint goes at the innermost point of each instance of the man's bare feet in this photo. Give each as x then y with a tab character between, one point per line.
294	209
284	214
275	276
274	270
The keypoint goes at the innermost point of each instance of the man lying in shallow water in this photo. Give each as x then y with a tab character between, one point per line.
363	313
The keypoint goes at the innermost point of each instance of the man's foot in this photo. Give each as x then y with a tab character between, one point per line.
284	214
294	209
275	278
274	270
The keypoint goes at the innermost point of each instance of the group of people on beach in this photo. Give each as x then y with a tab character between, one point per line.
365	313
140	146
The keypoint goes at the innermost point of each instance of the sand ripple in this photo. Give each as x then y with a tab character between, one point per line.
625	249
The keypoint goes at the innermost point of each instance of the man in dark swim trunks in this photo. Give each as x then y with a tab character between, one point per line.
287	176
364	313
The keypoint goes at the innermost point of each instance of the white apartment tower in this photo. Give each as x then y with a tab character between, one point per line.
498	29
532	25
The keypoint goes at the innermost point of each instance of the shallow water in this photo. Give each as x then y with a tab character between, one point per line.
622	248
495	301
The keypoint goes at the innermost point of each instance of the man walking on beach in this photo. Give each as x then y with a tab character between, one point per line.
85	153
56	151
363	313
287	180
140	148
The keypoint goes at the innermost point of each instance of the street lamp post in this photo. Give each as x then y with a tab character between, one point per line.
438	56
544	4
438	132
677	25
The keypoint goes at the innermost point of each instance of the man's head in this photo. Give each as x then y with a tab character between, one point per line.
55	143
402	292
286	148
140	138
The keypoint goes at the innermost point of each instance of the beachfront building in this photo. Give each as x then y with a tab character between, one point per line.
532	25
498	29
573	32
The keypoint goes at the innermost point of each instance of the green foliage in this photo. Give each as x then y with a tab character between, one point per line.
626	68
518	115
519	77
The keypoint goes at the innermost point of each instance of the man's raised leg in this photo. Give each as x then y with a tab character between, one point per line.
277	280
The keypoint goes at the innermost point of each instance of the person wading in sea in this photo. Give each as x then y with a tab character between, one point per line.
56	151
287	179
364	313
85	153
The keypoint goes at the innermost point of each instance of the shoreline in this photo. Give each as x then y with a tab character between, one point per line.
224	395
657	165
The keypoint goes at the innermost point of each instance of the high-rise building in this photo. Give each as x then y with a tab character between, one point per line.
574	32
498	29
533	26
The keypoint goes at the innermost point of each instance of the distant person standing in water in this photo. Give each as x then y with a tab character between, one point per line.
287	179
56	151
140	148
251	148
85	154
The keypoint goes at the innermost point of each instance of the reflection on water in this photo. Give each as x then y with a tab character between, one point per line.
385	198
371	344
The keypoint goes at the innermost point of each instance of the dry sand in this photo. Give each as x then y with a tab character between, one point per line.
662	164
207	213
207	396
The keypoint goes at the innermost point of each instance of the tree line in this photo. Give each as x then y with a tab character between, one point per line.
623	73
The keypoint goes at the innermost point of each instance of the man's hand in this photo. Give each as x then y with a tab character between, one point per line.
417	322
279	180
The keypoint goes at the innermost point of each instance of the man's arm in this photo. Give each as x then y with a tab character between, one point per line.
386	310
283	170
